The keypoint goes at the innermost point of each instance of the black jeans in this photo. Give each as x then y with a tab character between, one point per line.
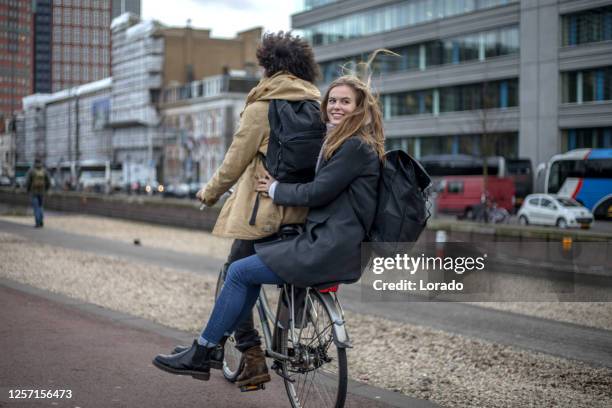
245	334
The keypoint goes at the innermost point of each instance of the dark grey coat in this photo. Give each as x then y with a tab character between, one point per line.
342	200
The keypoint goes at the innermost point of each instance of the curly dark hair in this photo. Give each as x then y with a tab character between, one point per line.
283	52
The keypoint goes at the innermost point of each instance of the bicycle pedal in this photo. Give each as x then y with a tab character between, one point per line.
248	388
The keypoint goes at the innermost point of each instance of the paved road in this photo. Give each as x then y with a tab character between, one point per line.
566	340
50	342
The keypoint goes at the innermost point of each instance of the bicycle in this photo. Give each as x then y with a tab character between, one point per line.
299	338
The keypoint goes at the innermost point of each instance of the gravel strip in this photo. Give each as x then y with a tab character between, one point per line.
597	315
155	293
593	314
155	236
452	370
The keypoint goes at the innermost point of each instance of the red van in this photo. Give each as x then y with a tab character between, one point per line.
460	194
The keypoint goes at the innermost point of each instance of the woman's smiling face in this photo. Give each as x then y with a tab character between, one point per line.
341	102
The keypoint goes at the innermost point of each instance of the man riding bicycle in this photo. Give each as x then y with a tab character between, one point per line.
247	216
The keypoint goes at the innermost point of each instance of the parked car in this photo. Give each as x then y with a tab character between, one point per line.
5	181
180	190
549	209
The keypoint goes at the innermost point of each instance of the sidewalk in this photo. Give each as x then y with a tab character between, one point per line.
51	342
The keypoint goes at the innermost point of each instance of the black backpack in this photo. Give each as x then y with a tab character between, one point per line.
401	209
296	136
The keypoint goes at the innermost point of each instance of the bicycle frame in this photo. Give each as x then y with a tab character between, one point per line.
287	294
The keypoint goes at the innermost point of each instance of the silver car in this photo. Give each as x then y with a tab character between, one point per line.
549	209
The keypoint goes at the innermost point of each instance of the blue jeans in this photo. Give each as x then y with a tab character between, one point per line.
37	205
238	296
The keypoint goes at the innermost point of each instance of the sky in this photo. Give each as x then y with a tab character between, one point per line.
225	18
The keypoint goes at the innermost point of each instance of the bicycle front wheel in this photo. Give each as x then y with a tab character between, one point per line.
232	358
316	374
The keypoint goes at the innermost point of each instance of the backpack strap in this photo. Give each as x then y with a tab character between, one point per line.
262	157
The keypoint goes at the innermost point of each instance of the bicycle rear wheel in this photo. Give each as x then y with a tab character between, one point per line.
317	368
233	362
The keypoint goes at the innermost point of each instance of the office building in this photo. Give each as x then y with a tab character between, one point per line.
117	124
81	39
15	56
483	77
125	6
42	46
199	121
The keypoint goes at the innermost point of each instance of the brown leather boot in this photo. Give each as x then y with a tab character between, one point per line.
255	370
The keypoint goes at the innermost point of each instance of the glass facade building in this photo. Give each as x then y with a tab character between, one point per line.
391	17
484	95
455	50
42	46
500	144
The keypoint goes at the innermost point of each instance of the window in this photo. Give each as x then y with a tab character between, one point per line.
76	72
454	50
76	35
547	203
390	17
587	85
587	26
586	138
455	187
534	201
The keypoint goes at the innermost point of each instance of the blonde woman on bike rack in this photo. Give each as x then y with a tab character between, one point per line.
341	199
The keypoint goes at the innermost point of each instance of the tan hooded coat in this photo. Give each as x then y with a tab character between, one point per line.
242	164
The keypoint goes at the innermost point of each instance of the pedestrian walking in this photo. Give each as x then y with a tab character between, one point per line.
37	184
342	201
247	216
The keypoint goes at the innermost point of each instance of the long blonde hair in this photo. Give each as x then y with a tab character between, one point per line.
366	120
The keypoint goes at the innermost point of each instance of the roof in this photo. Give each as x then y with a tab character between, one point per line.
40	100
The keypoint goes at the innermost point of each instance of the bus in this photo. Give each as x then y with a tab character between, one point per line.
461	188
584	175
518	170
521	172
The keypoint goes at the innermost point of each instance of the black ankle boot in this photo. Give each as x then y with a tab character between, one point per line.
194	361
216	357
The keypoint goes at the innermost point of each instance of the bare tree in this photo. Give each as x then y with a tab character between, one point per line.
487	140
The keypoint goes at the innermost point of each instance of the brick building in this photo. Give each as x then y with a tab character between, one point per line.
15	56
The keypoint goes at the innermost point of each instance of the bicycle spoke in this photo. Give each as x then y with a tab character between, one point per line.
317	368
